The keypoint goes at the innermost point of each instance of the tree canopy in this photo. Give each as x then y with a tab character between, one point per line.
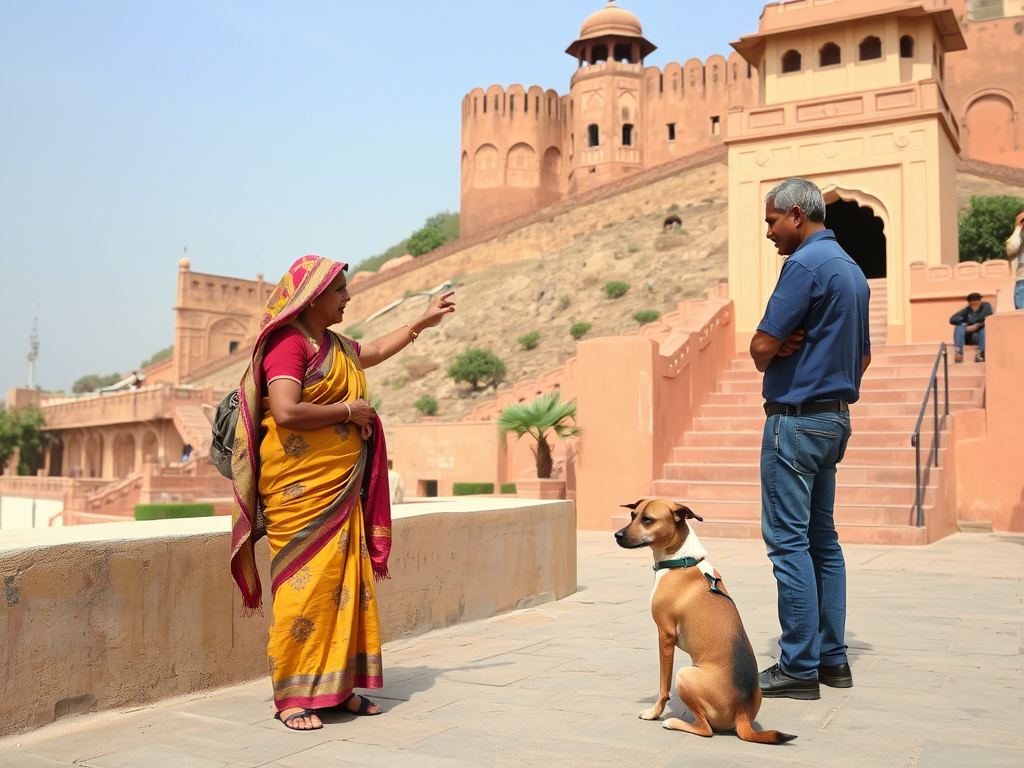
22	430
445	223
93	382
163	354
538	419
985	226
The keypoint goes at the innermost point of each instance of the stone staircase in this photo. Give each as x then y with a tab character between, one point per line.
716	468
194	427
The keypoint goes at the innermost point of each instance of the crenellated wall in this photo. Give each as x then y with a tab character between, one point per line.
695	98
523	149
512	153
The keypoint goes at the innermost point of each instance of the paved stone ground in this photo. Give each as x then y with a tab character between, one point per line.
935	636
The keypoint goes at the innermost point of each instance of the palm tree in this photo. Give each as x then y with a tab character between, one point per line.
536	418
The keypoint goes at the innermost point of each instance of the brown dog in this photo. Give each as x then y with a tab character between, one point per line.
694	612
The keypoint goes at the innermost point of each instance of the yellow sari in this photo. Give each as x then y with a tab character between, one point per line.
325	638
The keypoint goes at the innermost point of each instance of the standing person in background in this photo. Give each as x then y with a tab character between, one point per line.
813	348
1015	255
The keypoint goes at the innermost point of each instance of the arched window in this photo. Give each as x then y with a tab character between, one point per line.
624	53
599	54
906	47
627	134
829	55
791	61
594	135
870	48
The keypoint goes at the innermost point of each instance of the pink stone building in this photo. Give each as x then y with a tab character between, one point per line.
526	148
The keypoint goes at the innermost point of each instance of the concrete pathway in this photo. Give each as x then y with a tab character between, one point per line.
935	636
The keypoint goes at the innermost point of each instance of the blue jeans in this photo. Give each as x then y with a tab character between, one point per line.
1018	295
798	492
960	335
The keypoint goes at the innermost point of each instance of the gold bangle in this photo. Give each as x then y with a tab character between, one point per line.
411	331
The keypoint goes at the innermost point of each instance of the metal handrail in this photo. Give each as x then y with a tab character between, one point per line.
915	439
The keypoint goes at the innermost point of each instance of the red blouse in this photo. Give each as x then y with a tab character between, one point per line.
288	354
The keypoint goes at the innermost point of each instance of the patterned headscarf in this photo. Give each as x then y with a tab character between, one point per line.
306	279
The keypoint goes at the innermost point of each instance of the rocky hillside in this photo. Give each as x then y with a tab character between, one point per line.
562	287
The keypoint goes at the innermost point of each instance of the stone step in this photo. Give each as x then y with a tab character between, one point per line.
858	495
849	533
859	410
753	439
861	423
867	397
874	373
883	360
736	381
847	474
903	456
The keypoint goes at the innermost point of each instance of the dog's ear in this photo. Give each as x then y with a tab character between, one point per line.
682	511
634	505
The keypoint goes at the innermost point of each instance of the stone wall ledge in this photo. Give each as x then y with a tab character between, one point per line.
105	616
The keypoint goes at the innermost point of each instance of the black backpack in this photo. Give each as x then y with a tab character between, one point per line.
223	443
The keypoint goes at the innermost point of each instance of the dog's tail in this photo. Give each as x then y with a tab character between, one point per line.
745	730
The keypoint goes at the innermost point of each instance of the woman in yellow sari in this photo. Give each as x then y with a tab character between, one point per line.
309	470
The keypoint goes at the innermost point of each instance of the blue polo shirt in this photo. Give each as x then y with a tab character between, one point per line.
823	292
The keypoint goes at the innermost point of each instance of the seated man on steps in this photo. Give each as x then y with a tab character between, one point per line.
970	327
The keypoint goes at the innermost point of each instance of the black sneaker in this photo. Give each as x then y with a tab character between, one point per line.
776	684
979	357
835	677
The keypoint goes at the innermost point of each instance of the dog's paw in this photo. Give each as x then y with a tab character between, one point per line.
651	714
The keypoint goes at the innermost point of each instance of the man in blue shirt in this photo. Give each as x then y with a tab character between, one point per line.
813	348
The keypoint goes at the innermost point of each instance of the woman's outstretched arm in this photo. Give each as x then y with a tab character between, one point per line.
379	350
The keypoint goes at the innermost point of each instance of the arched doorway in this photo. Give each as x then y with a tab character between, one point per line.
56	459
124	456
151	448
861	234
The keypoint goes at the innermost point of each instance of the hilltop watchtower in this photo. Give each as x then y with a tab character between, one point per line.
605	109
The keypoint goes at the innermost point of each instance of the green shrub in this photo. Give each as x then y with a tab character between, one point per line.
508	487
563	303
425	240
529	340
985	226
579	330
615	289
354	333
633	248
472	489
646	316
426	405
172	511
475	366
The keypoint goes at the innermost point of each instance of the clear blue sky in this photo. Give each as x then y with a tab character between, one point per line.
250	132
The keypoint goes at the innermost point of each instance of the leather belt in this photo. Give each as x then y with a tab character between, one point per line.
806	409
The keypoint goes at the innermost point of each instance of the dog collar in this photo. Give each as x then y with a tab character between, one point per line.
686	562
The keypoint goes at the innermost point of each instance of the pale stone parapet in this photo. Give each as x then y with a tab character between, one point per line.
122	614
939	290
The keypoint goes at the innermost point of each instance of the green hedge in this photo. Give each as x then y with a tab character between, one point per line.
172	511
508	487
472	489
